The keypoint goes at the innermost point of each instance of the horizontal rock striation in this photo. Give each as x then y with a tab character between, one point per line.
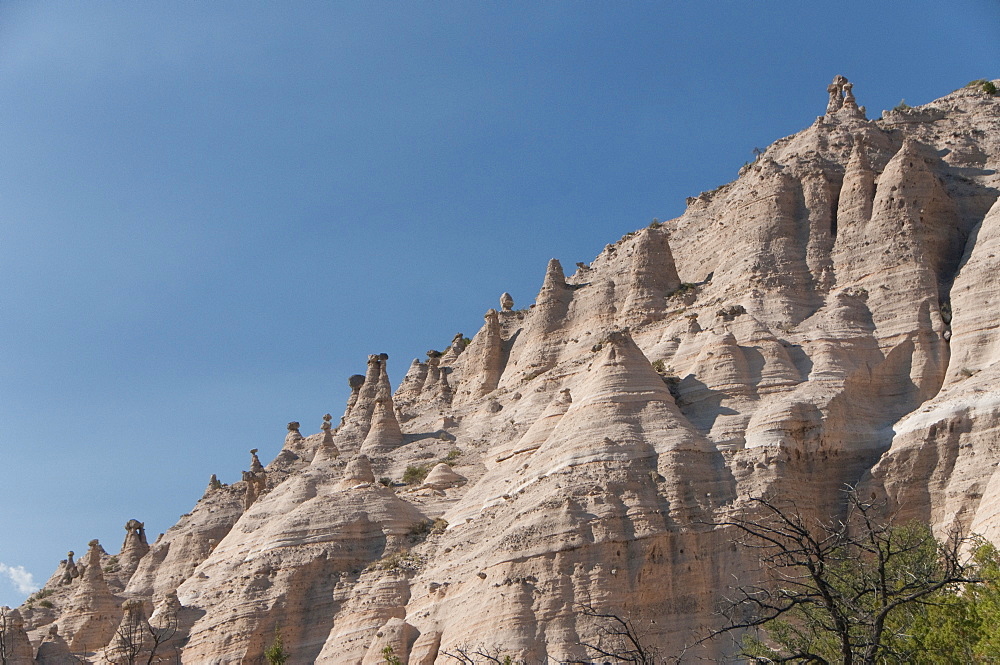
828	318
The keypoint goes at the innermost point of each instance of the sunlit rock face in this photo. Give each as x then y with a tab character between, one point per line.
828	318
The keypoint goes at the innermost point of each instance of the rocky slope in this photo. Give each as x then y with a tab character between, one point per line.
830	317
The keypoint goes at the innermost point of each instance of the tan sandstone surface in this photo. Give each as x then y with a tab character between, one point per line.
829	317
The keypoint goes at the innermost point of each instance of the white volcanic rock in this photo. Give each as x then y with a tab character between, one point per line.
442	477
483	361
950	443
829	317
17	648
357	419
396	635
281	562
409	389
357	472
537	342
133	549
54	650
651	277
974	302
454	350
94	611
384	435
175	555
537	433
378	596
133	638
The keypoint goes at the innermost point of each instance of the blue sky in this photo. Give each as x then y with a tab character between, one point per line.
212	212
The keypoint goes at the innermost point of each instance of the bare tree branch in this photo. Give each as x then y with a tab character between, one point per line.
466	656
837	589
617	639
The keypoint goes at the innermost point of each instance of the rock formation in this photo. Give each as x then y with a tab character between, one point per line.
94	611
454	350
483	362
70	571
133	637
506	302
328	445
134	547
255	481
827	318
413	383
442	477
384	434
294	435
54	650
17	649
357	472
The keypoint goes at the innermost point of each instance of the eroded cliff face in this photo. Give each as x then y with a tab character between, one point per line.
830	317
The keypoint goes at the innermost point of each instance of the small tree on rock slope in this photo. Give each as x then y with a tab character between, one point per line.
841	591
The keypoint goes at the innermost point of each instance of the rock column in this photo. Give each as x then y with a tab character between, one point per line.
93	611
484	361
652	277
134	548
16	646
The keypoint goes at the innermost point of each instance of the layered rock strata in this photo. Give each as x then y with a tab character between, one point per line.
827	318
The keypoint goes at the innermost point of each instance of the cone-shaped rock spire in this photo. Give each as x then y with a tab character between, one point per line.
436	386
134	548
358	418
355	381
362	400
383	389
652	276
93	611
413	382
483	361
327	444
54	650
369	387
442	477
554	288
255	479
541	347
133	640
69	570
92	571
357	472
851	253
17	648
255	465
911	195
623	412
384	435
910	266
454	349
858	191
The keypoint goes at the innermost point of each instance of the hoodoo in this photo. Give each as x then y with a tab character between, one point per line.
829	317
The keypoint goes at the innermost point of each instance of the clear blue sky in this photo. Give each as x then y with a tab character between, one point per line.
212	212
